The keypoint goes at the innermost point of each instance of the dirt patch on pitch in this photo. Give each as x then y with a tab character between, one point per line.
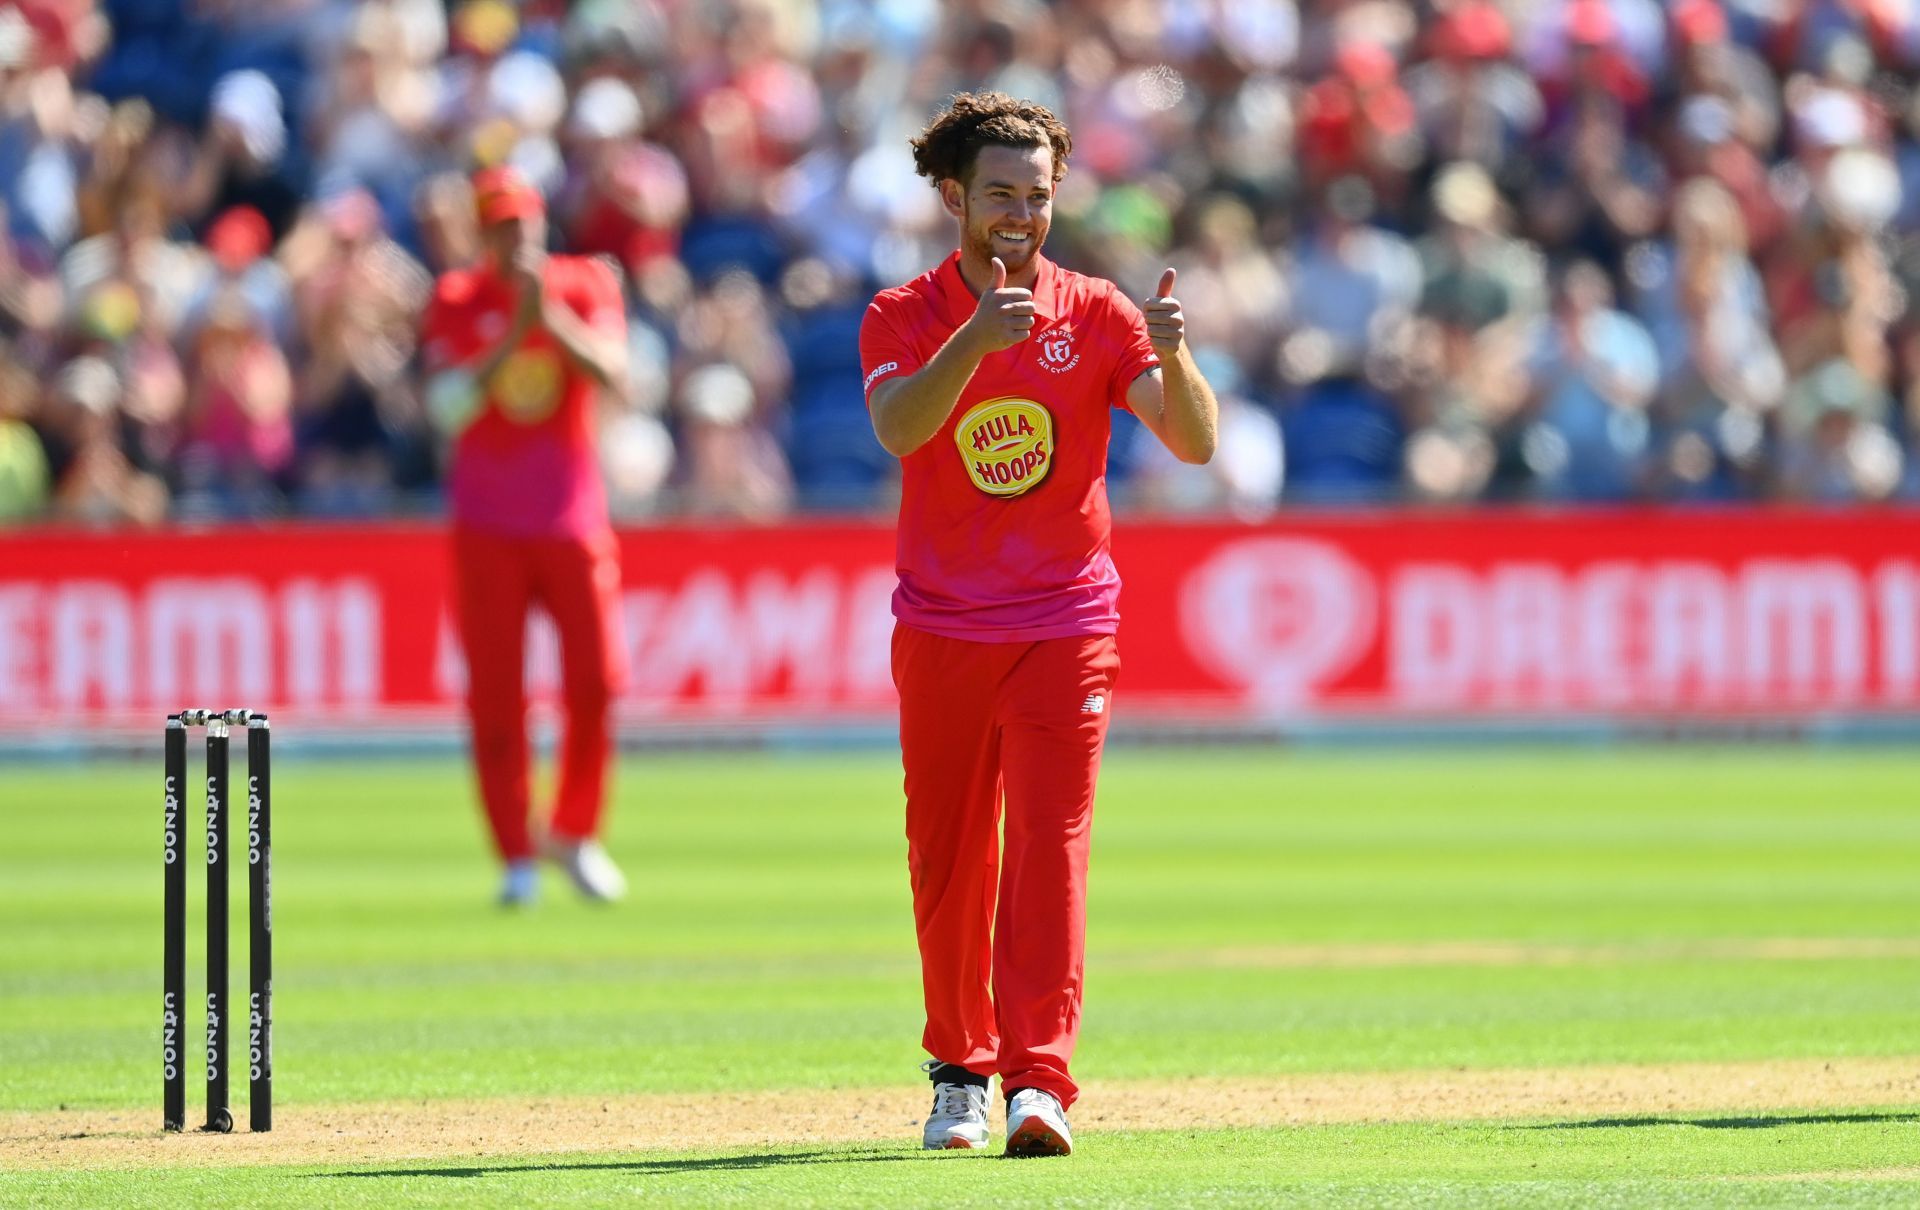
438	1130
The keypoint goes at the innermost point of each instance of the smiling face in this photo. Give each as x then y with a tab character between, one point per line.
1005	209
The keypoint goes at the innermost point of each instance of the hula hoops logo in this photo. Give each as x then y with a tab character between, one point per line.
1006	444
528	385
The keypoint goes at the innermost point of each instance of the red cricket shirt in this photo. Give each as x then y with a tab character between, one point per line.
1004	529
526	464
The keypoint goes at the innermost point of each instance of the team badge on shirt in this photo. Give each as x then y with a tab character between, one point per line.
1056	350
1006	444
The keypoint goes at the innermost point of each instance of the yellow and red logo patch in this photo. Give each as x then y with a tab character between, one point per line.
528	385
1006	444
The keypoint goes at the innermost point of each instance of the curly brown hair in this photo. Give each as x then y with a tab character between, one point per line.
947	148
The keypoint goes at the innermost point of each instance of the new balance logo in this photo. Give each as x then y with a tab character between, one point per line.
1095	704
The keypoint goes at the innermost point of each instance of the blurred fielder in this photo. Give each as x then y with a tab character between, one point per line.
990	377
517	350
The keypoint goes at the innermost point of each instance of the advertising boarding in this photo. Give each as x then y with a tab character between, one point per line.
1437	616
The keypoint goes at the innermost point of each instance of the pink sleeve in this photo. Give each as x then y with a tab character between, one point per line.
1135	356
884	352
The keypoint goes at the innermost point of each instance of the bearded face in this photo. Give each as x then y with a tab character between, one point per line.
1005	208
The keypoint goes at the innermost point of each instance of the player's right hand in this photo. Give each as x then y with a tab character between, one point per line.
1004	317
529	275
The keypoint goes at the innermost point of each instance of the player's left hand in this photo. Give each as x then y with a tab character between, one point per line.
1166	323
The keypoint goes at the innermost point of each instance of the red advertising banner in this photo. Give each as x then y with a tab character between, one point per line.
1441	615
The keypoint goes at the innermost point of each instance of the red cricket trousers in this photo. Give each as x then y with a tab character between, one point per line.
498	579
1002	927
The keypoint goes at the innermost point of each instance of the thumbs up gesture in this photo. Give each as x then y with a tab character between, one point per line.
1166	324
1004	317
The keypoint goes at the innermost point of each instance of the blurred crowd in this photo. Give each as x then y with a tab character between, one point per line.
1551	250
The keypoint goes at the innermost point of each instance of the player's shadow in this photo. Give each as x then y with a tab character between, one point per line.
1759	1122
709	1164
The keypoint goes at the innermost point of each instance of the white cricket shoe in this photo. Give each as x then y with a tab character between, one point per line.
521	885
959	1117
588	865
1037	1125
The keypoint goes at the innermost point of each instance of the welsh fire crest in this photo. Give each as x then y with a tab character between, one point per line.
1057	352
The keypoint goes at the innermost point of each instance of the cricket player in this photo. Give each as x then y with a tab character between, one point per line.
990	377
518	349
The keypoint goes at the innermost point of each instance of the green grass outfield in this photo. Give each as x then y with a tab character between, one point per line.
1255	914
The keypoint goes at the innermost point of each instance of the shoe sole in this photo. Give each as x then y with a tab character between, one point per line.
955	1143
1036	1138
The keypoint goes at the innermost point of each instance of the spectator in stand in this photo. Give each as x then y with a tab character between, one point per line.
362	431
1708	61
134	258
1586	435
636	450
1835	447
1474	102
1904	417
30	294
690	140
114	163
837	462
1804	32
751	111
625	198
153	404
238	243
1348	277
1344	433
95	484
1480	297
1720	374
1244	477
1226	274
370	117
734	468
1591	65
243	158
732	461
443	215
1598	191
1358	120
42	131
1705	142
1832	287
237	453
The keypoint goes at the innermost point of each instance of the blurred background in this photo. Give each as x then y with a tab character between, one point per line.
1651	264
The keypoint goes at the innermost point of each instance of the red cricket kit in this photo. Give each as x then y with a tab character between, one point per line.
530	527
1004	657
